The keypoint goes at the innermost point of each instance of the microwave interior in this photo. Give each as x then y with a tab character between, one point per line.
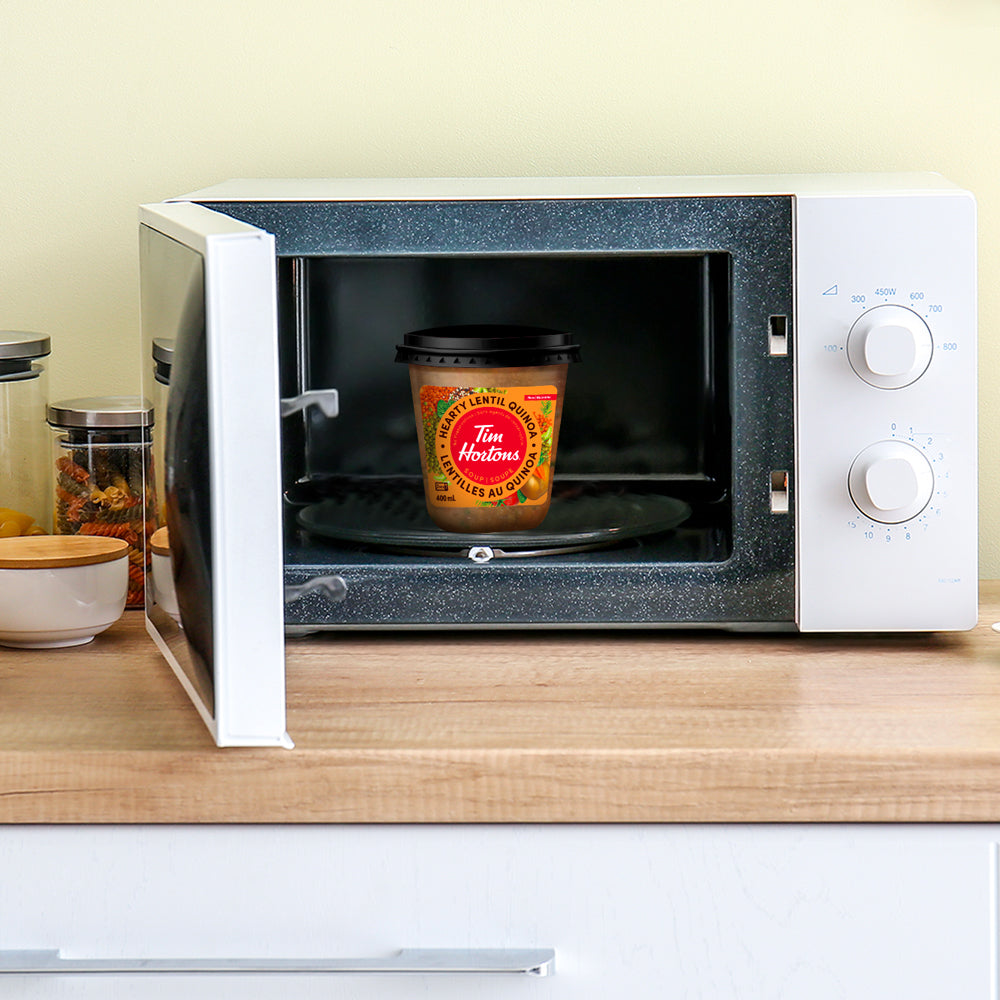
646	416
677	427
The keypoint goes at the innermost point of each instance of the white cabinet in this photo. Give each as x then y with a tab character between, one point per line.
632	911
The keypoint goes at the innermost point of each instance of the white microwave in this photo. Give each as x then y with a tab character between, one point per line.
772	424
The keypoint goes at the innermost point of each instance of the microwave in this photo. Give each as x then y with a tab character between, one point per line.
771	425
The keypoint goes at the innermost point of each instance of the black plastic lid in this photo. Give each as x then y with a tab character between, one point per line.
487	346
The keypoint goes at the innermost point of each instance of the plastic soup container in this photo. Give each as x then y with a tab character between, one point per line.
103	482
488	401
25	490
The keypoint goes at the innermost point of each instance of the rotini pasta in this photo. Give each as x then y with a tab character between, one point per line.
122	531
72	486
136	583
101	490
69	468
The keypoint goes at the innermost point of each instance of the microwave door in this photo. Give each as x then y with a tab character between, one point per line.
208	283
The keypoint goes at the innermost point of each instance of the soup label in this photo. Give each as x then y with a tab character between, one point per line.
486	447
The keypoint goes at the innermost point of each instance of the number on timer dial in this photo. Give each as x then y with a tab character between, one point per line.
891	481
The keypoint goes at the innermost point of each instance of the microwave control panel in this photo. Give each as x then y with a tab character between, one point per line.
885	351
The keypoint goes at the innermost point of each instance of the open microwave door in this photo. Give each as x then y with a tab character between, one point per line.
209	290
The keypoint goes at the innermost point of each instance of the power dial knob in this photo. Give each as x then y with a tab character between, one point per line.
889	346
891	481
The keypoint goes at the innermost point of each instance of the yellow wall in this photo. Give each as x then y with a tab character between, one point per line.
111	103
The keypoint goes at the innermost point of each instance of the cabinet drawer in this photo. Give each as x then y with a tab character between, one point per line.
632	911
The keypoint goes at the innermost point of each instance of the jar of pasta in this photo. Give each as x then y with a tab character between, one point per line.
102	463
25	491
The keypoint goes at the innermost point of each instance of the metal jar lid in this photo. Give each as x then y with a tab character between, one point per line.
18	350
17	345
102	411
487	346
163	359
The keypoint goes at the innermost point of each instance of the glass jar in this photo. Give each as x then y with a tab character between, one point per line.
25	493
163	360
102	453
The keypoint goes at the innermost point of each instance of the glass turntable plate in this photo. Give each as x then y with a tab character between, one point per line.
398	521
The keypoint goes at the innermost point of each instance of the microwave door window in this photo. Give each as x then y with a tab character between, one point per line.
208	291
187	503
174	309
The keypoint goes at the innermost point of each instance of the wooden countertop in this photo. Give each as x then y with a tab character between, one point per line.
528	726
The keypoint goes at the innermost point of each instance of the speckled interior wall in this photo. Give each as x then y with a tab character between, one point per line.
110	104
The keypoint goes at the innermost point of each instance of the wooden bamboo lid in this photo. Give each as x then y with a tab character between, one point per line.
51	551
159	541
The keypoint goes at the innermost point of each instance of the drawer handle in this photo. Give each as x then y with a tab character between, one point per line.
530	961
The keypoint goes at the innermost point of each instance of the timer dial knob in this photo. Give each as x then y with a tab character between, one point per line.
889	346
891	481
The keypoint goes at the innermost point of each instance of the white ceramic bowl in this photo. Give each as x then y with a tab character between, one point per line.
60	590
163	573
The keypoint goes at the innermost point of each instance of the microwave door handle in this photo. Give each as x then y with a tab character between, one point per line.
333	588
328	401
